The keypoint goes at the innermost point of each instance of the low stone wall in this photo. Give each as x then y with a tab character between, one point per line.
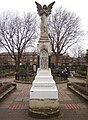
81	87
6	88
70	86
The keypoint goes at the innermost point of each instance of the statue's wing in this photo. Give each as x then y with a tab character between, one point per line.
50	7
39	8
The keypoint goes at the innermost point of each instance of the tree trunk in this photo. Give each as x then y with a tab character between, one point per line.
57	60
17	62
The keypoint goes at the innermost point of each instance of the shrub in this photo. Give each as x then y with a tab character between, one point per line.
83	73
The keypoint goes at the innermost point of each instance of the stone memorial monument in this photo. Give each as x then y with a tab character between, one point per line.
43	93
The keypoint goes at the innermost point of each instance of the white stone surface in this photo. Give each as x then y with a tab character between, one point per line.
43	87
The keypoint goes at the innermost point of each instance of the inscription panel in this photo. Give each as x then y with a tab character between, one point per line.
43	59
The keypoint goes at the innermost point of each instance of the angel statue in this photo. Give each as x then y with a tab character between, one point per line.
44	12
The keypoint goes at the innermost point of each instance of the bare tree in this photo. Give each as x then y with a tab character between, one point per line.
78	54
64	31
77	51
17	33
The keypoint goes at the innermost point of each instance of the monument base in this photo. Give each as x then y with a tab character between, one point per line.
44	108
44	95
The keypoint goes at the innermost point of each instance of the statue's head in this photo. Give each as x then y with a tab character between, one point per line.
45	7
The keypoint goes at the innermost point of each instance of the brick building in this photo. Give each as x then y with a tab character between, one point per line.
31	58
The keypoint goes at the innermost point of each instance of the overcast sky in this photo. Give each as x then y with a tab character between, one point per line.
80	7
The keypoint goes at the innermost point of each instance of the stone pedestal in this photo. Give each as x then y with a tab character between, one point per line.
44	93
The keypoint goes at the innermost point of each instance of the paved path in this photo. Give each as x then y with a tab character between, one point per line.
15	106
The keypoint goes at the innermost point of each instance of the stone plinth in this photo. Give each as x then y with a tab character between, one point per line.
44	93
44	107
43	87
